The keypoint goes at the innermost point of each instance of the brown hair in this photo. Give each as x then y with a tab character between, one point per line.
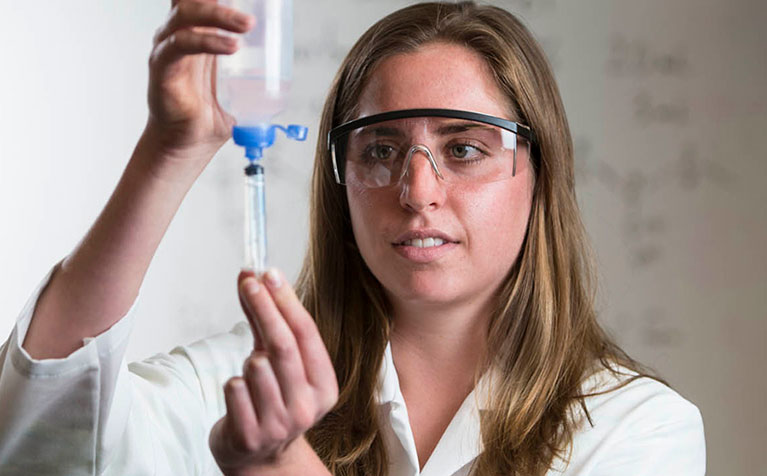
543	338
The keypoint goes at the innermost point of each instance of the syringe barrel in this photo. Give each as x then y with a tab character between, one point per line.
255	219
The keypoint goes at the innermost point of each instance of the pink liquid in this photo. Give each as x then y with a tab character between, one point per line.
252	100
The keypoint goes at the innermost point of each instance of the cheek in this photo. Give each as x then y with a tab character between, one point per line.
362	207
355	202
498	217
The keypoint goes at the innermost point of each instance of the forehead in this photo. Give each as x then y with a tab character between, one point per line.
438	75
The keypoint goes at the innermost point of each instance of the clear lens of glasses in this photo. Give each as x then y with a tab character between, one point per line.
459	150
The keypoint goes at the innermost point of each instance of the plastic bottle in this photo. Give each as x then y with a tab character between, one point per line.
254	83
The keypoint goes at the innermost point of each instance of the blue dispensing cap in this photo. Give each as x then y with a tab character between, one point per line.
257	138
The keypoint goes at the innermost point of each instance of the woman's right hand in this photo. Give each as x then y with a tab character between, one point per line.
185	120
288	385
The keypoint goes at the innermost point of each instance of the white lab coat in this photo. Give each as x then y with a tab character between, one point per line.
91	414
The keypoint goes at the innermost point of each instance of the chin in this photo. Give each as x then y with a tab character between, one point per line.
425	291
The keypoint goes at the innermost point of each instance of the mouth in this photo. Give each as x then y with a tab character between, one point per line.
424	239
423	243
423	247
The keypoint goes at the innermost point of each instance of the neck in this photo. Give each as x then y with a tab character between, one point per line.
454	336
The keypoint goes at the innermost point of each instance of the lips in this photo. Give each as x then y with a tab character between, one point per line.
412	236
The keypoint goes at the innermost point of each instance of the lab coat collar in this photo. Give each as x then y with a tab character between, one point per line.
460	443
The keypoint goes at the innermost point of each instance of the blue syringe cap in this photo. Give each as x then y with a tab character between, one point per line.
257	138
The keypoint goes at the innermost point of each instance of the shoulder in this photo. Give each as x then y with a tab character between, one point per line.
638	426
625	397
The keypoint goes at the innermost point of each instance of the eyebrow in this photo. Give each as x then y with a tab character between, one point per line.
381	131
462	127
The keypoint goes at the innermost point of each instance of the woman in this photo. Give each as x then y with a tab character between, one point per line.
443	322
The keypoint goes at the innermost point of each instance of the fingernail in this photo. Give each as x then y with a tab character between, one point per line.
245	20
273	278
251	285
239	385
254	364
232	41
261	362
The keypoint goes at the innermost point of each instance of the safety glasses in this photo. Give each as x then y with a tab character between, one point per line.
461	146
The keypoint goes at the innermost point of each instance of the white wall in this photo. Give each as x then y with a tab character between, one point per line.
668	108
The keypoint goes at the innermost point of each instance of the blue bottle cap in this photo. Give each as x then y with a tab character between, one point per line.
257	138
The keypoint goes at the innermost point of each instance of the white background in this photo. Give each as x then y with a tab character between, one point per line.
666	101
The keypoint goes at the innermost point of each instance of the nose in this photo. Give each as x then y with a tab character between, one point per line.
421	185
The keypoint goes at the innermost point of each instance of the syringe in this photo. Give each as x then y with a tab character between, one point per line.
255	218
255	139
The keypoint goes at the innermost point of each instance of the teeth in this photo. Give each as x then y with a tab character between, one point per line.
425	243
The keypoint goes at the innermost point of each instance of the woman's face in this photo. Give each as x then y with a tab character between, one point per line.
484	223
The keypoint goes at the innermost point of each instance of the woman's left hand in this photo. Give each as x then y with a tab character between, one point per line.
288	384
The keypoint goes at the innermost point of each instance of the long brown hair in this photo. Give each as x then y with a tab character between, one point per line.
543	338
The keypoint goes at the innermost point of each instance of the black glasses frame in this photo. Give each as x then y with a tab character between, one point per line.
515	127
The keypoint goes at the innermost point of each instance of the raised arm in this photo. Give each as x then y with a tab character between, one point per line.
98	282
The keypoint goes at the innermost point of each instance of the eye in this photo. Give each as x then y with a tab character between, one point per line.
378	153
382	152
465	152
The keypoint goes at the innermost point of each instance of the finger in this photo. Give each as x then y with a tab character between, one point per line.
279	341
173	3
258	340
316	361
241	417
267	398
187	42
190	14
